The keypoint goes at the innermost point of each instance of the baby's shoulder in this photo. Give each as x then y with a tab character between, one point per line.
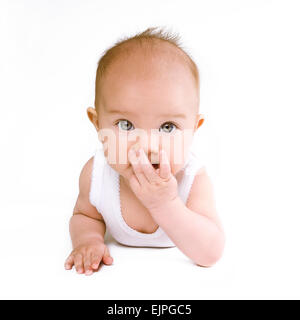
85	176
83	204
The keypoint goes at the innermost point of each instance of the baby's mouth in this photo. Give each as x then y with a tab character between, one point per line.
155	165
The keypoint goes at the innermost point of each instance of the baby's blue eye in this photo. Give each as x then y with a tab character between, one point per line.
168	127
124	125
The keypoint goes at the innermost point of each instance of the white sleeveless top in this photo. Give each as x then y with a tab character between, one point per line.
105	196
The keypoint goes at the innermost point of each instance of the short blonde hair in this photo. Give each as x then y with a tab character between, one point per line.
149	37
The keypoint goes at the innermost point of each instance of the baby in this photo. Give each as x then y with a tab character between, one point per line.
143	186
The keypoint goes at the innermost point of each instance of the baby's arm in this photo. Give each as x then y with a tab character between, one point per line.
195	228
87	230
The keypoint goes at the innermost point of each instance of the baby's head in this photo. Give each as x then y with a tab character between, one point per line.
147	95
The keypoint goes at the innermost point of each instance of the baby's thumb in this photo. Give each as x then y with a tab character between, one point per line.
107	259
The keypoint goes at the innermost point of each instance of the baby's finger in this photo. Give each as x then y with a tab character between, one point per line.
87	265
164	166
78	263
147	168
137	169
69	262
107	259
95	261
134	183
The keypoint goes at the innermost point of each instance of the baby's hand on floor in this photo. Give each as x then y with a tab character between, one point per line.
87	257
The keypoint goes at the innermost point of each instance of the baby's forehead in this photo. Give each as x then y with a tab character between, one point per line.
144	68
158	53
162	70
149	113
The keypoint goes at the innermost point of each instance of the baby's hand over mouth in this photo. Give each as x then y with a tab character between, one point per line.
152	187
88	256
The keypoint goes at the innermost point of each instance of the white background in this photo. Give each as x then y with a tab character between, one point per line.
248	56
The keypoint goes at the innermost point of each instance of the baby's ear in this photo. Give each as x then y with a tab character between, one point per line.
199	121
92	114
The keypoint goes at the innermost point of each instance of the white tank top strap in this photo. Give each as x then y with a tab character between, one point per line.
103	187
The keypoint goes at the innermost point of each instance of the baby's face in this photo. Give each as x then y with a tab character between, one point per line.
152	106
